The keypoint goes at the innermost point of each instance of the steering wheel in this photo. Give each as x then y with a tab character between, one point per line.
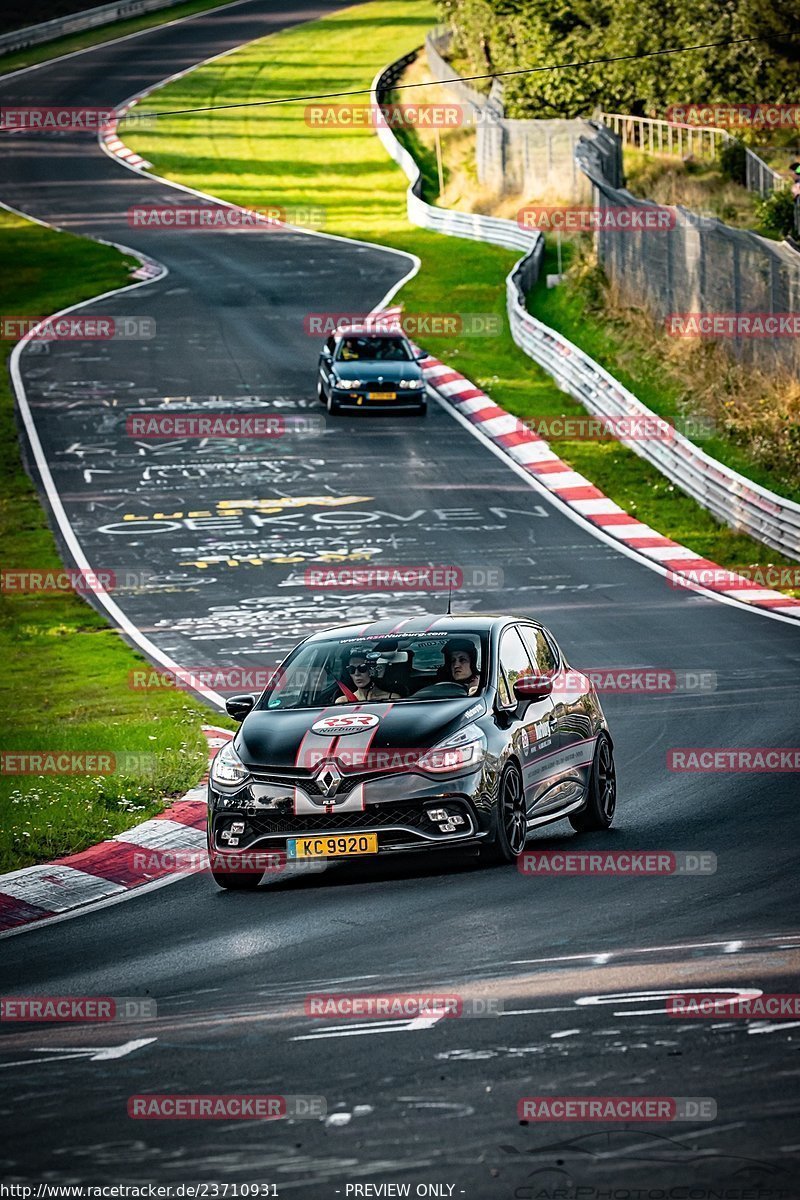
444	690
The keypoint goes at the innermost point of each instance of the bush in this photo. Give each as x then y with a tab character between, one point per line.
733	161
775	212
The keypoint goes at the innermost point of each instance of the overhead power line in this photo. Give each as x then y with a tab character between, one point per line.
590	62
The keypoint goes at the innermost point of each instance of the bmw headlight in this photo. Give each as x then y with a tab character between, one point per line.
463	751
347	383
227	768
416	384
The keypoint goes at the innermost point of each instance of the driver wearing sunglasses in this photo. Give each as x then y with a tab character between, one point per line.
363	685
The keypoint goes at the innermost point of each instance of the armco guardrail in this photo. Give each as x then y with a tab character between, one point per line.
729	496
90	18
477	228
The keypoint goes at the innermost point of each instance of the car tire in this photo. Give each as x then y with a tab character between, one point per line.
510	829
320	392
233	882
602	799
422	410
331	404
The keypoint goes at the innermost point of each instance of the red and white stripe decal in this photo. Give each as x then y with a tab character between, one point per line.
347	751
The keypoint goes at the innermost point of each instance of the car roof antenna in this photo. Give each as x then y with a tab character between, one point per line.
450	598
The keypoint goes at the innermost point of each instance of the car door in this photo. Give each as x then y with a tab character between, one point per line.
532	725
325	360
573	723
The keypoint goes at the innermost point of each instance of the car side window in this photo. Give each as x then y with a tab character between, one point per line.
542	653
330	344
514	661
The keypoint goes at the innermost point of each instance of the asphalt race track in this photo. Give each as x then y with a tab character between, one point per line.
418	1103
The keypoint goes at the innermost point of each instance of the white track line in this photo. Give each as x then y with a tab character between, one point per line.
578	519
113	41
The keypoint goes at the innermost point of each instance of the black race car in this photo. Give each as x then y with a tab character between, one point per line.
359	369
435	732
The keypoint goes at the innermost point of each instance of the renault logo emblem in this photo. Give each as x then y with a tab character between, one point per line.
329	779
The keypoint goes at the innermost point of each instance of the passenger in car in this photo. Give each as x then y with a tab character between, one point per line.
361	683
461	664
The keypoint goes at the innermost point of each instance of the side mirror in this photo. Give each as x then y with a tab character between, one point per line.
239	706
533	687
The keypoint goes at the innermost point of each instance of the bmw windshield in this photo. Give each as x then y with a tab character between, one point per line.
374	349
352	670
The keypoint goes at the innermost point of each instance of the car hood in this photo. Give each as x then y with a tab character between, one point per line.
273	739
377	370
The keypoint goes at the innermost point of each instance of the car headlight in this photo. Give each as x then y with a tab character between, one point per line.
412	383
227	768
347	383
464	749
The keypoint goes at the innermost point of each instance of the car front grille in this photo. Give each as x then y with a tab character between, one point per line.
308	783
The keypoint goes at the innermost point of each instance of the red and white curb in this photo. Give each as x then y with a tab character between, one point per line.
533	455
113	867
115	146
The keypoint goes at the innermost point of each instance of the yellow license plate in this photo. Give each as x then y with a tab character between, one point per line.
381	395
332	846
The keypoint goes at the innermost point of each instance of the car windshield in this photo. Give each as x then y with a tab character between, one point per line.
374	349
351	670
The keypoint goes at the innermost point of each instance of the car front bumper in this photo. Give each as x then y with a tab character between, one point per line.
362	399
396	808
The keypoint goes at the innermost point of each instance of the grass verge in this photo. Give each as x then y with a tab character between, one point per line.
67	672
752	419
274	156
32	55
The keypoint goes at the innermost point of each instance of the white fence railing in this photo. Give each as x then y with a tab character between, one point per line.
33	35
729	496
702	141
